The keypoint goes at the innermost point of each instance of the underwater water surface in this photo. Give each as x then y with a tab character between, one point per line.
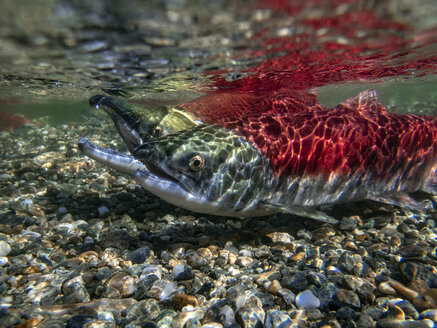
56	54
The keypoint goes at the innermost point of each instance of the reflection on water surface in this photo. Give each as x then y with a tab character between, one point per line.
55	54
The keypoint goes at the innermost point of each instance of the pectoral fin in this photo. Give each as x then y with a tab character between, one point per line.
302	211
431	184
400	199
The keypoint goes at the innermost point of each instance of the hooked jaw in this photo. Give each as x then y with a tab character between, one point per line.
112	158
158	183
172	192
156	180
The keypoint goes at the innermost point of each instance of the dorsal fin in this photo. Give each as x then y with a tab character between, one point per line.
364	101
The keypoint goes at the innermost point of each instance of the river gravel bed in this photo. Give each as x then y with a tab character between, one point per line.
84	246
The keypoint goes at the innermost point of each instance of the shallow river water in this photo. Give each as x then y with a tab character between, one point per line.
84	246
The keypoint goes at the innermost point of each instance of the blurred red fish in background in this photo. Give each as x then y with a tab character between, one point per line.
9	121
334	45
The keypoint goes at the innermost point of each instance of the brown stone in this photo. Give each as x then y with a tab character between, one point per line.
181	300
123	282
29	323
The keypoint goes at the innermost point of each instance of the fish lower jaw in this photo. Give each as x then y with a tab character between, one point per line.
173	193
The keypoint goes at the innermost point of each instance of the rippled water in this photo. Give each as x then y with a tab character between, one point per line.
55	54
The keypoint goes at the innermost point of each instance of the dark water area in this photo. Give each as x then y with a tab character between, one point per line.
55	54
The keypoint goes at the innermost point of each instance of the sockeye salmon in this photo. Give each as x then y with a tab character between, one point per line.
286	162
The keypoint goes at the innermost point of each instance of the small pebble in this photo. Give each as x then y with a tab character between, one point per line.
123	282
139	255
348	298
274	287
212	325
5	248
430	314
399	323
279	237
182	300
103	210
365	321
3	261
62	210
307	300
244	261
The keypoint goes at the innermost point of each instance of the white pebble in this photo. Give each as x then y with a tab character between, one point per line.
307	300
152	270
178	269
26	203
5	249
3	261
30	234
169	288
81	224
228	315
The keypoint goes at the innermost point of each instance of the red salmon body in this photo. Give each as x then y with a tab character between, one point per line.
9	121
217	106
356	140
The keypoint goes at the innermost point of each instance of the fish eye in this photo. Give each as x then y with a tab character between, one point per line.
196	163
157	130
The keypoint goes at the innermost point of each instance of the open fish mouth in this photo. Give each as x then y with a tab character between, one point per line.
112	158
123	121
134	123
159	172
150	176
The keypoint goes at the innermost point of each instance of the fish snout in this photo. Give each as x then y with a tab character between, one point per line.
95	100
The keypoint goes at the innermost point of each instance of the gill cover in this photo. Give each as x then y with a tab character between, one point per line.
210	162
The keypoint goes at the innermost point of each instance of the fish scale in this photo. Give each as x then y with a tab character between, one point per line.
340	141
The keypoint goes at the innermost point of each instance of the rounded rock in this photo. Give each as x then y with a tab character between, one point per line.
3	261
142	311
103	211
345	313
75	291
139	255
400	323
349	223
365	321
212	325
273	287
123	282
307	300
182	300
244	261
347	261
430	314
278	319
195	260
250	316
348	298
279	237
5	248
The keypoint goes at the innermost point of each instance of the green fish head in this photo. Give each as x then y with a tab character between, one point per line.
174	121
206	169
